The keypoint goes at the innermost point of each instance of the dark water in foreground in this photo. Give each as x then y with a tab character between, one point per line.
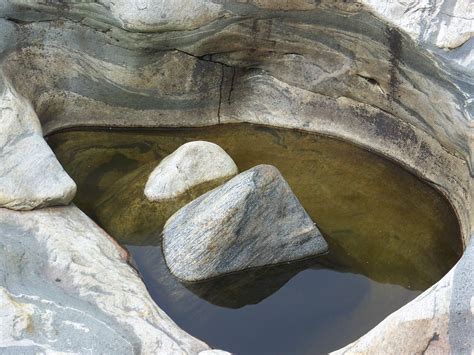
390	235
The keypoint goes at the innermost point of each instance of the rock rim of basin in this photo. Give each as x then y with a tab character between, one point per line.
194	166
253	220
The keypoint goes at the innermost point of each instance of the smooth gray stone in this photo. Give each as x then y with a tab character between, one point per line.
195	165
30	175
253	220
395	77
66	287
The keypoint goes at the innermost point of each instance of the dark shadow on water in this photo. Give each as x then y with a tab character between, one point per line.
299	311
249	287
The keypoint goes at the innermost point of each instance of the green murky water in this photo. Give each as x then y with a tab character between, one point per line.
390	235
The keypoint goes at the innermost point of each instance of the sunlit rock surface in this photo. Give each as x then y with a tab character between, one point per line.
253	220
30	175
193	168
65	286
446	24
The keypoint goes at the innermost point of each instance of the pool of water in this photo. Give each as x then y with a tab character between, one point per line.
390	235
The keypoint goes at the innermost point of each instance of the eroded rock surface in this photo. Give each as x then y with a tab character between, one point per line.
65	286
252	220
194	168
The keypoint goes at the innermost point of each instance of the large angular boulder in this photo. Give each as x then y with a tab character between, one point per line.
194	168
253	220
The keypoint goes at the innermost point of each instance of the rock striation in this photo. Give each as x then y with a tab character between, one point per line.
253	220
194	168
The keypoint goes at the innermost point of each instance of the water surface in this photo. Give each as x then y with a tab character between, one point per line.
390	235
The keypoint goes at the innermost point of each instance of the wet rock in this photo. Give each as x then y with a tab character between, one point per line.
193	169
253	220
66	286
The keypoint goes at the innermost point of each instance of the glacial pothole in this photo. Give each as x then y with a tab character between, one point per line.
390	235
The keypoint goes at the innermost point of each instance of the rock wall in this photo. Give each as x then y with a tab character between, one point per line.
393	76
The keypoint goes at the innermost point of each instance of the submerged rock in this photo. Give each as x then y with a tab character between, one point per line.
253	220
129	216
193	168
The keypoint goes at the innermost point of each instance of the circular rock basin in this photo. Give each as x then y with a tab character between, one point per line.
390	235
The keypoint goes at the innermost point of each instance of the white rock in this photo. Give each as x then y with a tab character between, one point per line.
192	165
66	286
163	15
30	175
447	24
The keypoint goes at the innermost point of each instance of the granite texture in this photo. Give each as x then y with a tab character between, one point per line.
252	220
191	166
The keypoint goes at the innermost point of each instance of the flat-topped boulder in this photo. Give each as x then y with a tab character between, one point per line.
194	168
252	220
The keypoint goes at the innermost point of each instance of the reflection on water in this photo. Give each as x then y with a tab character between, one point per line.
390	235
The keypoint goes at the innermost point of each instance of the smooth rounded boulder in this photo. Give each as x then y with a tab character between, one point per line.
253	220
193	168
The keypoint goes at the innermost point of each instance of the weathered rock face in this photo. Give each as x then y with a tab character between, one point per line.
333	67
445	24
65	286
252	220
193	169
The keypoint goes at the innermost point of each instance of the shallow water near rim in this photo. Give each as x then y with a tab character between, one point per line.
390	235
